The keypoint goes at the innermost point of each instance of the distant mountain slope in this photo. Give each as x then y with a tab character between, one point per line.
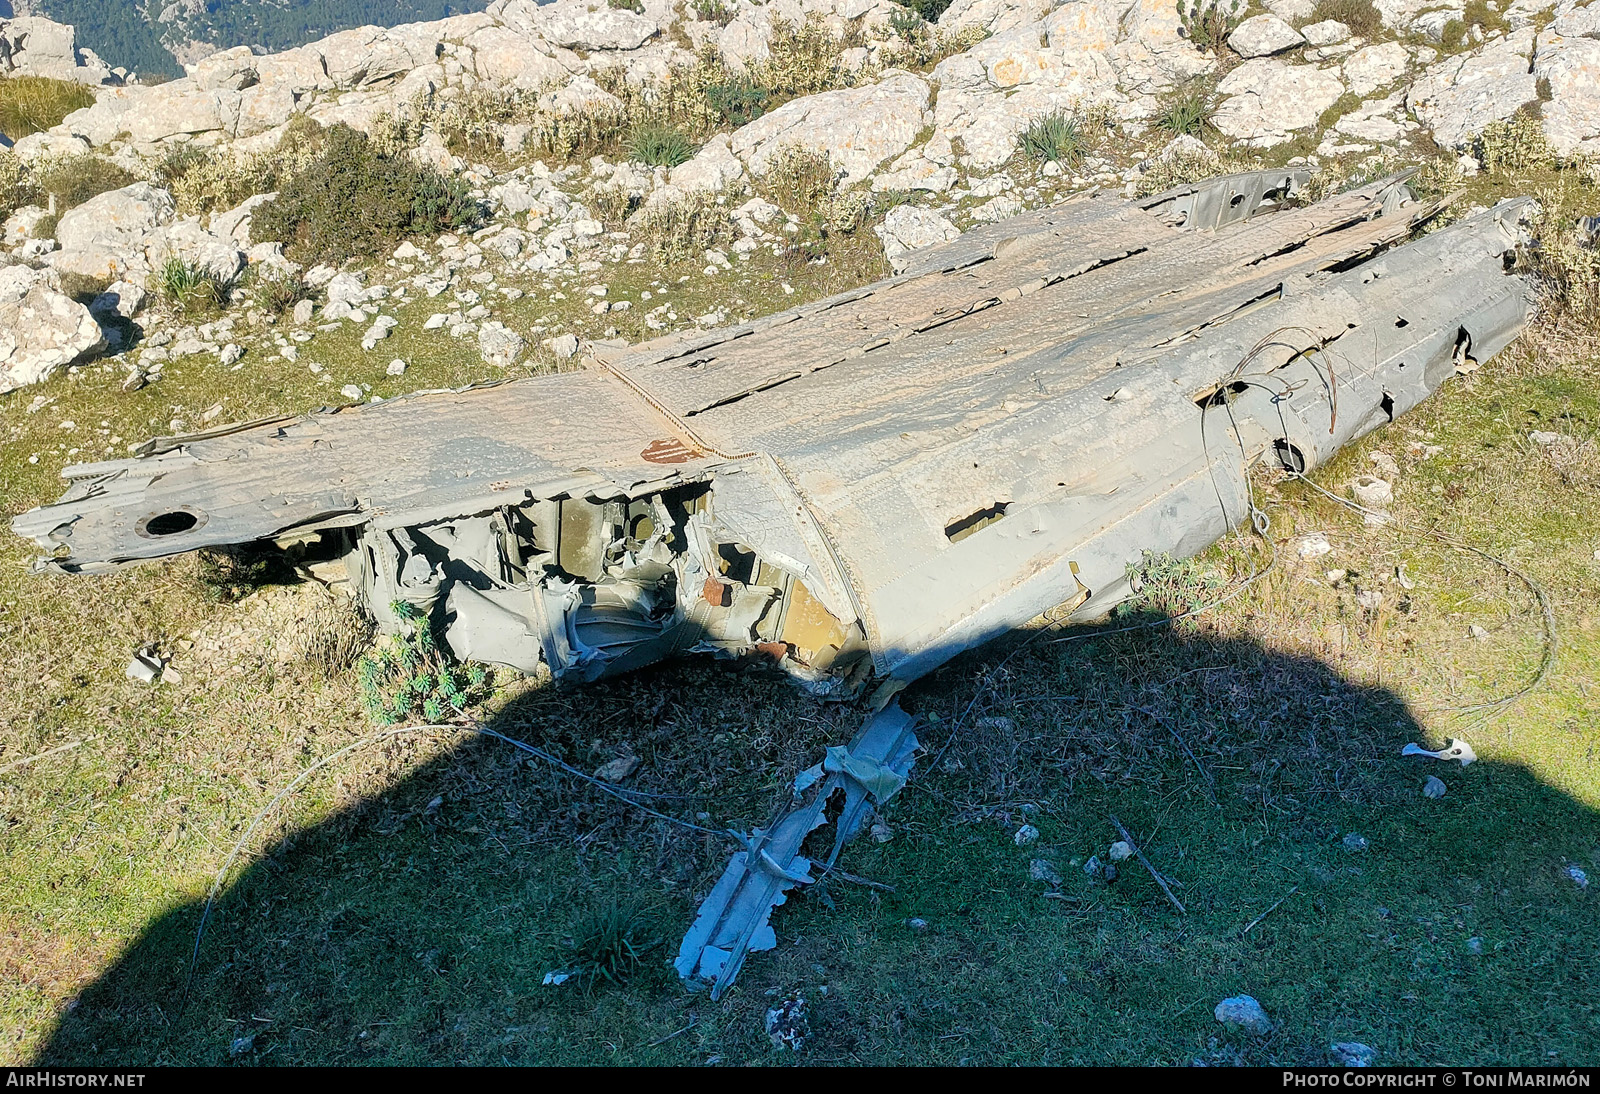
149	36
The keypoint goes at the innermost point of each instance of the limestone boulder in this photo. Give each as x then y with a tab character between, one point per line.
858	127
1265	101
909	228
1459	95
41	328
1262	36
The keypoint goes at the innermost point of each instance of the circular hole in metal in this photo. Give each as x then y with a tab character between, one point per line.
170	523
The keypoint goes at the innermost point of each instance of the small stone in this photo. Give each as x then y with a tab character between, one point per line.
1433	788
1121	851
231	353
1353	1054
614	771
1475	945
1044	870
564	346
1372	491
1355	842
1025	835
1314	545
350	391
1243	1012
1094	867
1579	878
396	367
1544	439
1477	632
1369	599
880	832
241	1045
303	310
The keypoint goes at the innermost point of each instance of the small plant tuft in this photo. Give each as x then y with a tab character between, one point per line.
1207	23
1361	16
1054	138
410	676
193	288
659	146
612	944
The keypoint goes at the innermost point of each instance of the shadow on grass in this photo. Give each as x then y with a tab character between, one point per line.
416	926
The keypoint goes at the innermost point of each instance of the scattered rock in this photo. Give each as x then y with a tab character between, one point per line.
499	345
1314	545
1355	842
1120	851
41	328
1025	835
1578	877
1475	945
786	1024
1044	870
909	228
1242	1012
1372	492
614	771
917	924
1263	35
1433	788
1352	1054
564	346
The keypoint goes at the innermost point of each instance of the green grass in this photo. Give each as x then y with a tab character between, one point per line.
32	104
659	146
405	906
1054	138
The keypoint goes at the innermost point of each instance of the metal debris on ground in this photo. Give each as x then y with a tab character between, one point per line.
1454	749
732	920
858	489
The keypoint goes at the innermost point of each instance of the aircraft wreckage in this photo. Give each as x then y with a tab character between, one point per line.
857	489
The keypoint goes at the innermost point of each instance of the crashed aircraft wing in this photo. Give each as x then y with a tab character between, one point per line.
859	488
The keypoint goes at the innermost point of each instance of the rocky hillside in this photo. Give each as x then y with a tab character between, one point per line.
152	36
532	177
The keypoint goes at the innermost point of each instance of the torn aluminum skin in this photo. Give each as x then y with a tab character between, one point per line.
732	920
857	489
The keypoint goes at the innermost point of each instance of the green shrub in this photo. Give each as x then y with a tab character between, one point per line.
350	200
75	179
412	677
737	100
1359	15
907	24
17	185
1516	144
929	10
276	294
659	146
685	227
201	181
713	11
1170	586
635	6
191	288
1056	138
32	104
